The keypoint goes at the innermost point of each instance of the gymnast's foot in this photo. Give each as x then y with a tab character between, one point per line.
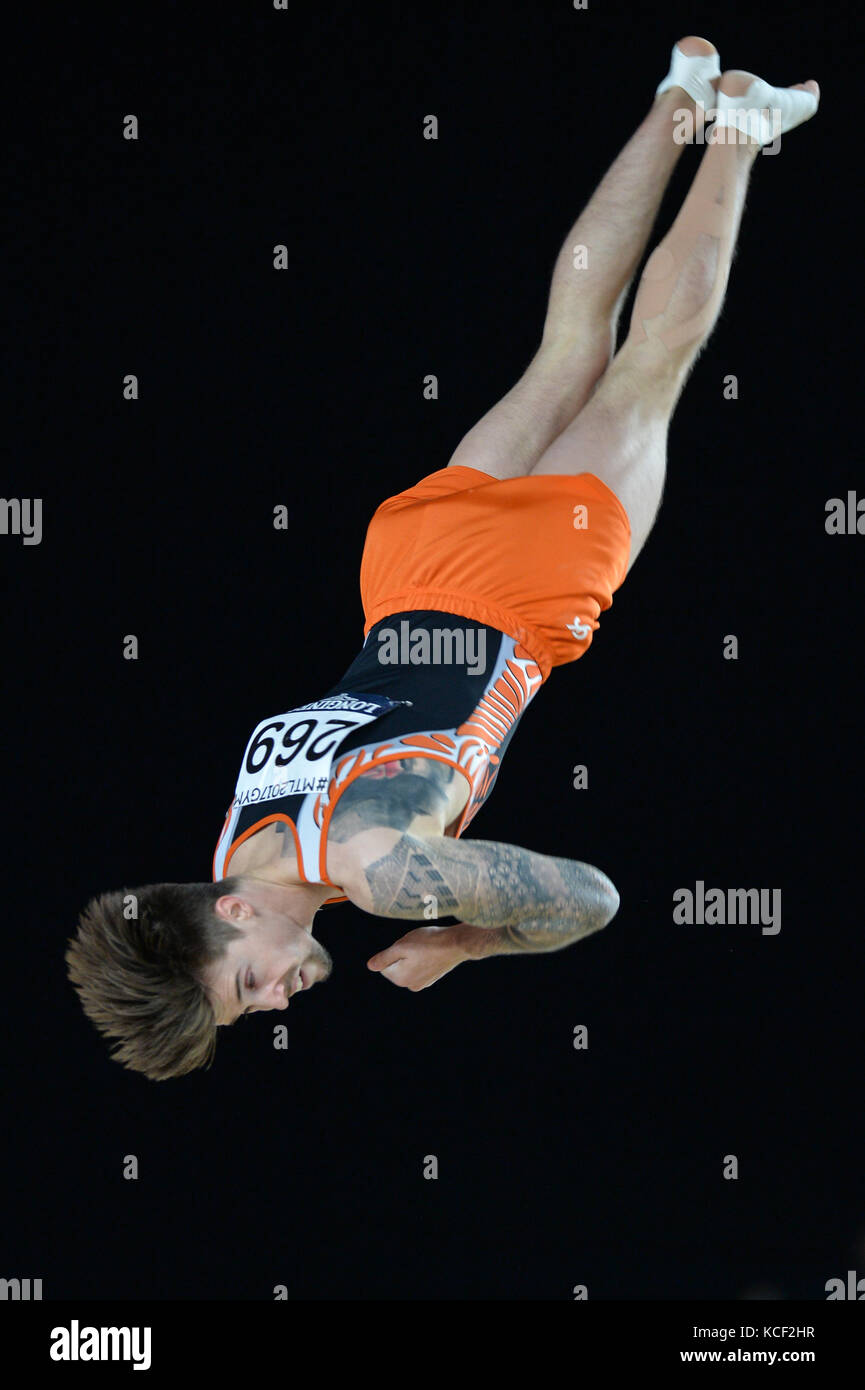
759	112
695	70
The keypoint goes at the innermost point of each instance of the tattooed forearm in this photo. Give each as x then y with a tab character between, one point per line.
522	901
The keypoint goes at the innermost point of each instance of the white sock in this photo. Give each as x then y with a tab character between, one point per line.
694	74
786	109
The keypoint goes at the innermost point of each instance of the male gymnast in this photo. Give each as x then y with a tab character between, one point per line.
511	553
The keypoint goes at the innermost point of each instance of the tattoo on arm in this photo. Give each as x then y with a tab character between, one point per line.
523	901
419	789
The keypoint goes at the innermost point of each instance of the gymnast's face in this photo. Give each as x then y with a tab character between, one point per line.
274	959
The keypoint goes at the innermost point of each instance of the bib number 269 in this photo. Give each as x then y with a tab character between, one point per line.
295	739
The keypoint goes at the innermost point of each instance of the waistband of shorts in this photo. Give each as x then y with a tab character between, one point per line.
477	610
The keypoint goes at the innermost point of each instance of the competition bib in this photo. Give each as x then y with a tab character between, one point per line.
290	754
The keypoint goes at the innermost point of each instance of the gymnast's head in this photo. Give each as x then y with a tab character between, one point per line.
158	969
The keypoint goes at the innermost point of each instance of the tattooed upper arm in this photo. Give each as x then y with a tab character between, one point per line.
527	901
538	901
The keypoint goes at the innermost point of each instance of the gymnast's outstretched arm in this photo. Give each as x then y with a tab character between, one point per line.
512	899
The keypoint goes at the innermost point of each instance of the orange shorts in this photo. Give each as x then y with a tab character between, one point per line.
537	557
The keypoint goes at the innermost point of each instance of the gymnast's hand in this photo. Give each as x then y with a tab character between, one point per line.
420	957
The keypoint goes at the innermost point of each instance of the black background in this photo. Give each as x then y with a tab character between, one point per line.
557	1167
